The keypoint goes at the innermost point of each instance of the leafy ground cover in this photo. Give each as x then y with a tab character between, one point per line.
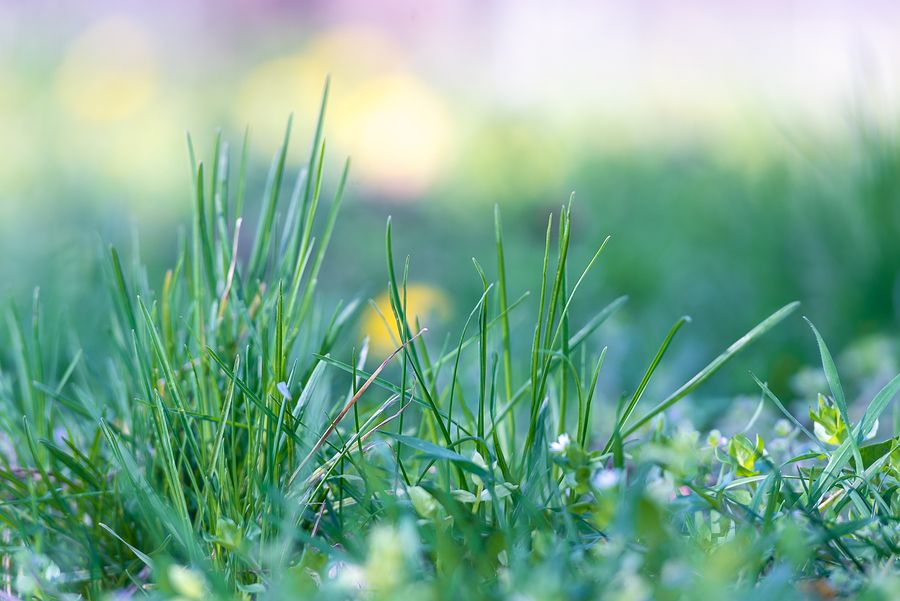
226	446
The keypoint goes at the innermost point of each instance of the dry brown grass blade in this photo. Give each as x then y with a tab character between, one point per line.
230	277
350	404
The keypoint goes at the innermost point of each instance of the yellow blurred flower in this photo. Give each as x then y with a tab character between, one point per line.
424	303
399	134
396	128
292	83
188	583
109	72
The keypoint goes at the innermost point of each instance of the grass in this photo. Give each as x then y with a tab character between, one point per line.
226	445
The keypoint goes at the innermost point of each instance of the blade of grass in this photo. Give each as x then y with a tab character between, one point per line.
705	373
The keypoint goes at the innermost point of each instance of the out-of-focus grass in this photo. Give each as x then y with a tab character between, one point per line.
693	234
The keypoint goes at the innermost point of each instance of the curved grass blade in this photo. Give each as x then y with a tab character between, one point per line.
705	373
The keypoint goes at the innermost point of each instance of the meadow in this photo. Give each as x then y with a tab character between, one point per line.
218	429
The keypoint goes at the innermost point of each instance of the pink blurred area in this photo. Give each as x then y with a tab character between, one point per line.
99	93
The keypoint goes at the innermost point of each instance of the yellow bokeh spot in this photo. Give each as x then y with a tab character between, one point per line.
399	134
425	304
293	83
395	127
109	72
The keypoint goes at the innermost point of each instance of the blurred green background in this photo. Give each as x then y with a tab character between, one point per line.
740	155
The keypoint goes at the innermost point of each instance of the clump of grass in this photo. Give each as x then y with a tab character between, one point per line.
223	447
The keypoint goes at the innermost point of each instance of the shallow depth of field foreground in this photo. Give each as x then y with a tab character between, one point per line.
266	395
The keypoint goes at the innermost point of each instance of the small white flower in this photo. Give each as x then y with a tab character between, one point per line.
715	439
348	575
51	572
188	583
606	479
561	444
661	487
783	428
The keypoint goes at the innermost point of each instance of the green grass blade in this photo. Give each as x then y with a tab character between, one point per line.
705	373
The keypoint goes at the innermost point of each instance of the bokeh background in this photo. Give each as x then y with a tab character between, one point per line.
741	154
